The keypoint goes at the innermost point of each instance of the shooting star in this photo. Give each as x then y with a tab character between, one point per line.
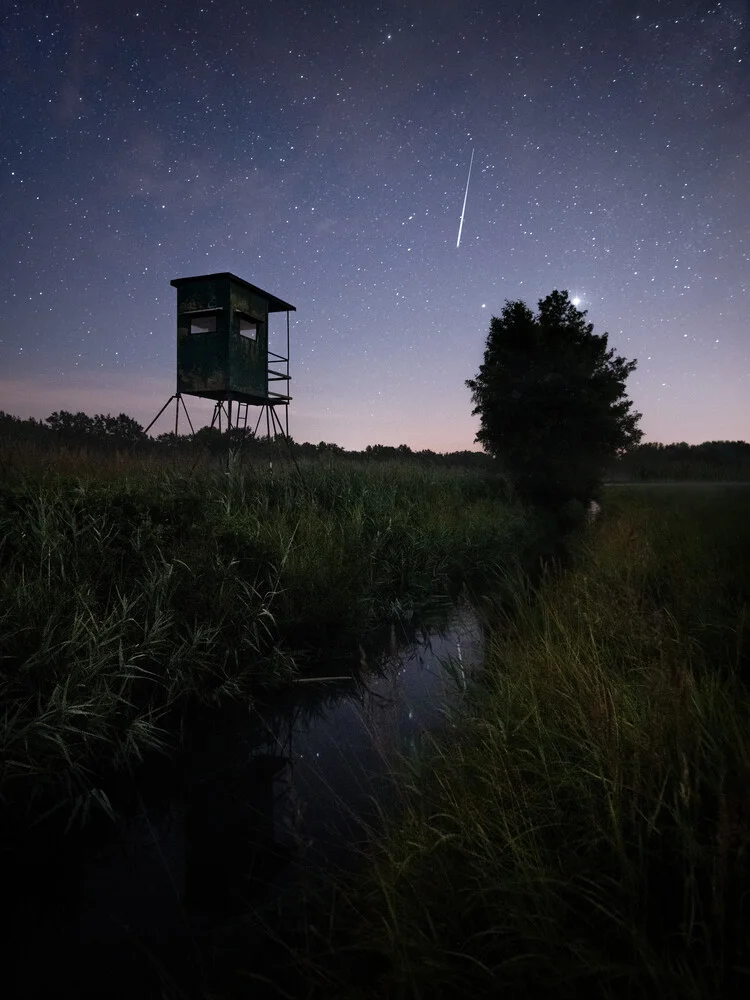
466	195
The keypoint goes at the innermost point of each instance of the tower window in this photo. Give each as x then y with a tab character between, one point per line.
202	324
248	328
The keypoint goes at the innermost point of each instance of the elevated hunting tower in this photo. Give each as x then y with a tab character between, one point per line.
222	350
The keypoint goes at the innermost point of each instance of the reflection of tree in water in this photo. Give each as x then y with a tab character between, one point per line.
377	702
390	735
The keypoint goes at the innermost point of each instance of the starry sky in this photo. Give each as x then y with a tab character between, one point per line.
320	150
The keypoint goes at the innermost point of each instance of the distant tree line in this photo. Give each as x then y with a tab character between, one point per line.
120	431
724	460
105	433
75	429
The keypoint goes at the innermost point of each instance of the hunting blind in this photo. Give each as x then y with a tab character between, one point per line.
222	350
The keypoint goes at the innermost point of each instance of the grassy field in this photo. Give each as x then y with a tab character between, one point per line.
584	829
123	593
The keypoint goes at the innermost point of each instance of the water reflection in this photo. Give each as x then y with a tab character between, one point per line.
260	796
343	759
296	778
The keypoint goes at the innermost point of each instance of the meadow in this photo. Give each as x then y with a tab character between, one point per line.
582	827
579	829
127	588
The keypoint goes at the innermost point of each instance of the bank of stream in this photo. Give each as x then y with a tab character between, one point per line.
259	805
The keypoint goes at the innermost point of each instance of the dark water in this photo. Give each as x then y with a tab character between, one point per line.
261	800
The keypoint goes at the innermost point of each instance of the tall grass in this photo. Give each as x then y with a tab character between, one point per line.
584	831
121	596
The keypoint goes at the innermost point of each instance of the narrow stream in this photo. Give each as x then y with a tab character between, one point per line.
260	798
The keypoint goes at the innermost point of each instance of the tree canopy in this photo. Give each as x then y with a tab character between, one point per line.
120	430
551	400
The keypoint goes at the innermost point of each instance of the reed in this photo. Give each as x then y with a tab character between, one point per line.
121	596
582	830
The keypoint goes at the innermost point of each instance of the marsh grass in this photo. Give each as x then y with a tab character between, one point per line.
120	596
584	830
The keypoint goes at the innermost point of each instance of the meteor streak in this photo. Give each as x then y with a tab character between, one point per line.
466	195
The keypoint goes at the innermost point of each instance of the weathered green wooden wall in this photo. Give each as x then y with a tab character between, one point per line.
215	364
248	359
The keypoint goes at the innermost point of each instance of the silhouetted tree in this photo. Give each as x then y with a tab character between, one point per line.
100	429
70	425
119	430
551	401
328	448
15	427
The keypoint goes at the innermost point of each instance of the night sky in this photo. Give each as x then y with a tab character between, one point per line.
321	150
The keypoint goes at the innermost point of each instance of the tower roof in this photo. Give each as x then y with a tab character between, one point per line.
274	304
